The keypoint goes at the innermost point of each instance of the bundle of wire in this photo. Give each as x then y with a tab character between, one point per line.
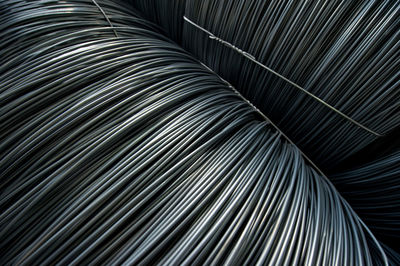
346	53
119	147
373	192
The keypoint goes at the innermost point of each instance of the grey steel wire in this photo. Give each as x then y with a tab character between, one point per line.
344	53
372	190
128	150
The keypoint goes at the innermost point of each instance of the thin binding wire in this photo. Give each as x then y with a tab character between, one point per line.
351	64
128	150
253	59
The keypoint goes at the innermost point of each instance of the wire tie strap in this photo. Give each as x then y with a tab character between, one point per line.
106	17
253	59
268	120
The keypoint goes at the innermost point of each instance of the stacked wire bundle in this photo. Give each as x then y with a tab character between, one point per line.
119	147
343	52
346	53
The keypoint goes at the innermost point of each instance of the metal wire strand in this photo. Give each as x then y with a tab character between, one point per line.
128	151
344	53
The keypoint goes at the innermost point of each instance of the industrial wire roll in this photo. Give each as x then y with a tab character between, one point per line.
119	147
373	192
346	53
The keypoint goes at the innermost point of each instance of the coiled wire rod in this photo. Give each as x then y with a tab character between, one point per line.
127	150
